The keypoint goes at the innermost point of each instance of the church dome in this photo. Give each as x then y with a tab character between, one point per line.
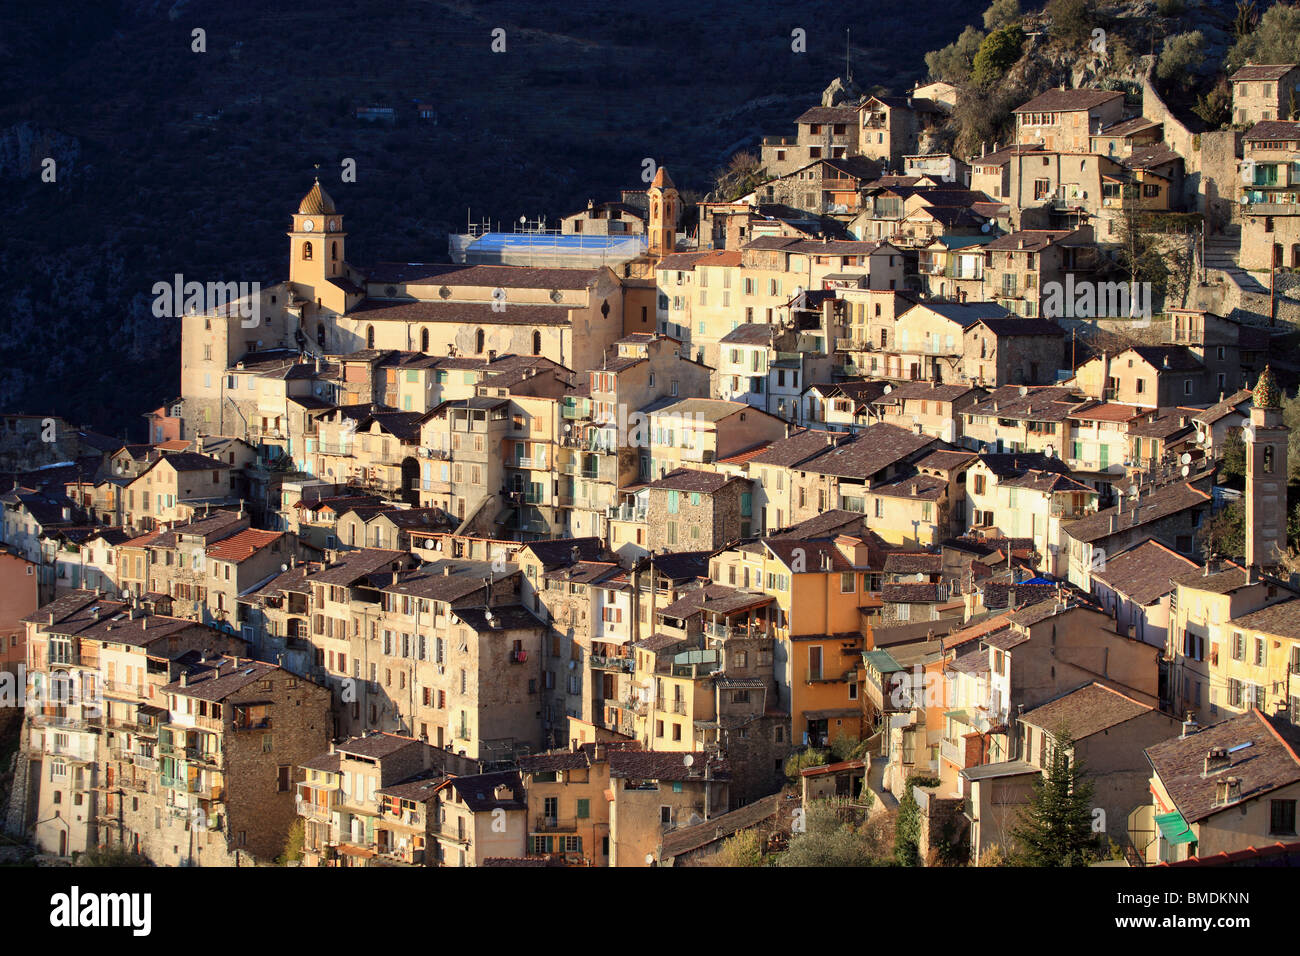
316	203
1267	394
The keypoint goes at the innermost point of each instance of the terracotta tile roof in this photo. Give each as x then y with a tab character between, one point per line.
480	276
1269	130
381	310
691	480
715	598
868	452
1067	101
913	562
1279	620
1263	71
799	447
219	680
659	765
1143	573
243	545
1086	711
1034	240
912	593
814	554
1261	753
1154	506
375	745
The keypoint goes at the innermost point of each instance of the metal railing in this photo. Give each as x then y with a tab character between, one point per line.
546	824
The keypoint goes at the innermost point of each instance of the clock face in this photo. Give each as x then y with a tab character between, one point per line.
308	225
333	225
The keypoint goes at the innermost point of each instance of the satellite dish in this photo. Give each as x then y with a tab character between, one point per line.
1050	451
429	543
1023	391
284	567
888	389
984	227
522	220
1186	471
1248	431
649	859
1185	459
1132	491
688	759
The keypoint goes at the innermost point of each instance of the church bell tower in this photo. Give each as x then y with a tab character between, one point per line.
1266	476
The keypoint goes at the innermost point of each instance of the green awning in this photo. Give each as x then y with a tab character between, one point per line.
1174	828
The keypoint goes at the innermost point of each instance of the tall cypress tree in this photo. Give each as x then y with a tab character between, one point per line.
1055	828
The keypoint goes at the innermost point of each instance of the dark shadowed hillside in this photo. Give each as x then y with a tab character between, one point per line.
174	161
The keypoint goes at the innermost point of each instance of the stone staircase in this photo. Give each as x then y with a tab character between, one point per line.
1221	252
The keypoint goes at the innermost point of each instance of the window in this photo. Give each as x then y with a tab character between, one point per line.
847	582
1282	816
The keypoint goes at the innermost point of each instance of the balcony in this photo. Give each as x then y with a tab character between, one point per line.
626	513
546	824
951	751
142	762
675	706
601	663
330	448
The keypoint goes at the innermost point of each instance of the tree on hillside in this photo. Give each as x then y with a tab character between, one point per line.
1182	54
985	117
1276	39
1215	107
1291	419
953	63
1055	829
836	834
1246	20
741	849
741	175
1002	13
907	823
999	51
1071	20
1138	252
1233	466
1224	534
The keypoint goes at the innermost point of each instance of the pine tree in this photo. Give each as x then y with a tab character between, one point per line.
1055	829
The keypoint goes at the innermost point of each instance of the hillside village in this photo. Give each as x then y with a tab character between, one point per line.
865	495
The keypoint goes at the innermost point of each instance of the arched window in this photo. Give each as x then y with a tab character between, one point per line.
537	343
478	342
370	336
306	250
334	251
424	340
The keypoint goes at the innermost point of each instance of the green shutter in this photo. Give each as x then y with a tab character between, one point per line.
584	809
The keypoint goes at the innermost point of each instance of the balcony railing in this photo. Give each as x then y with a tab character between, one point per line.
674	706
601	663
545	824
950	752
626	513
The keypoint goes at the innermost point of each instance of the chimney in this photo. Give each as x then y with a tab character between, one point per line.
446	570
830	438
1189	725
185	678
1226	791
1216	759
492	355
